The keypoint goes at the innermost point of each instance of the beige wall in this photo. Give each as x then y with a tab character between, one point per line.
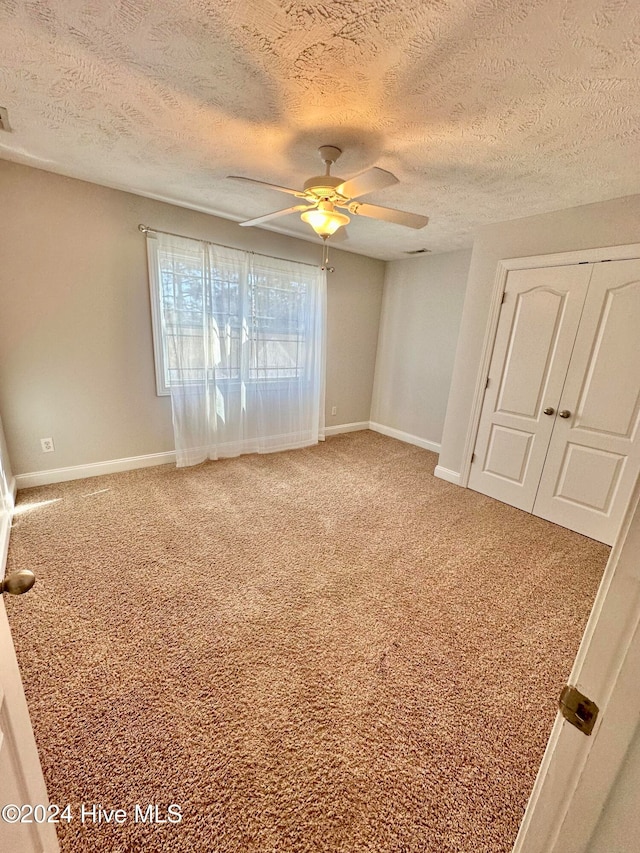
76	353
421	312
609	223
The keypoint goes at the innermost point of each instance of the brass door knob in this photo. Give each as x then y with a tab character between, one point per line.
18	582
549	410
565	413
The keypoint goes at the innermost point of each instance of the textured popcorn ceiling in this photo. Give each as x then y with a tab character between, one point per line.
485	109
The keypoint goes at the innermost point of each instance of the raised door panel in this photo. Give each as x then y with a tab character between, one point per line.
508	453
594	455
535	335
608	401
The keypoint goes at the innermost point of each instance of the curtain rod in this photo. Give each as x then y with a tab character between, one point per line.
147	230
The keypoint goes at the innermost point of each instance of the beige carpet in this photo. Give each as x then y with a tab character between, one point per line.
321	650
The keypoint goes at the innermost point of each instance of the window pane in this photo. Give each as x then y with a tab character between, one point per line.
205	332
278	330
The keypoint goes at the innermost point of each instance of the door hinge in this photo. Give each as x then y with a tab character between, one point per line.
504	296
486	384
473	458
577	709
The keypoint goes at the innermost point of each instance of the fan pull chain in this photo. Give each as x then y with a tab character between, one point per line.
325	260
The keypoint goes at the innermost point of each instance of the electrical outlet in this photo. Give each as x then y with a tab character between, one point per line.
47	445
334	410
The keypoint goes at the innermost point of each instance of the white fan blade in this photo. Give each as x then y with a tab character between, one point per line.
277	213
269	186
366	182
389	214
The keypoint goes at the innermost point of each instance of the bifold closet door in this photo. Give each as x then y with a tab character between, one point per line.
594	453
536	331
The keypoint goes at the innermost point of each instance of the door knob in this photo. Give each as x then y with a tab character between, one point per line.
549	410
18	582
565	413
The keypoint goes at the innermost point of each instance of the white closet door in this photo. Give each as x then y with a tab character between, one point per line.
536	331
594	453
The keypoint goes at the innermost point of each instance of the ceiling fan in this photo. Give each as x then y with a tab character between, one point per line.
322	194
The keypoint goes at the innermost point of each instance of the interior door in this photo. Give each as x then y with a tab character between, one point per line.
21	779
536	332
594	455
574	789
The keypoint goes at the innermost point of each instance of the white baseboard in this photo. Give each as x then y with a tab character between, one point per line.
5	524
354	427
405	436
113	466
447	474
94	469
5	530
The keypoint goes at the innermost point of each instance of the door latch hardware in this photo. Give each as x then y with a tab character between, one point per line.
577	709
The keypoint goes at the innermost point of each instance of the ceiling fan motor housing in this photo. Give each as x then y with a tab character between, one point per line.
322	186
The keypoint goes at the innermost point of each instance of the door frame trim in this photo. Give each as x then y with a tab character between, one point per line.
505	266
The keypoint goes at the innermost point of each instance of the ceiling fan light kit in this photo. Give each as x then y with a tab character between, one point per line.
324	220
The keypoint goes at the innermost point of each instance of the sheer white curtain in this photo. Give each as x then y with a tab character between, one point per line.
244	349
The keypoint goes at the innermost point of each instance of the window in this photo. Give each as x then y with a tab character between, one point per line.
239	343
226	315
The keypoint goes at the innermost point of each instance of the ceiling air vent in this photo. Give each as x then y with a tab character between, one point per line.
4	119
417	252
